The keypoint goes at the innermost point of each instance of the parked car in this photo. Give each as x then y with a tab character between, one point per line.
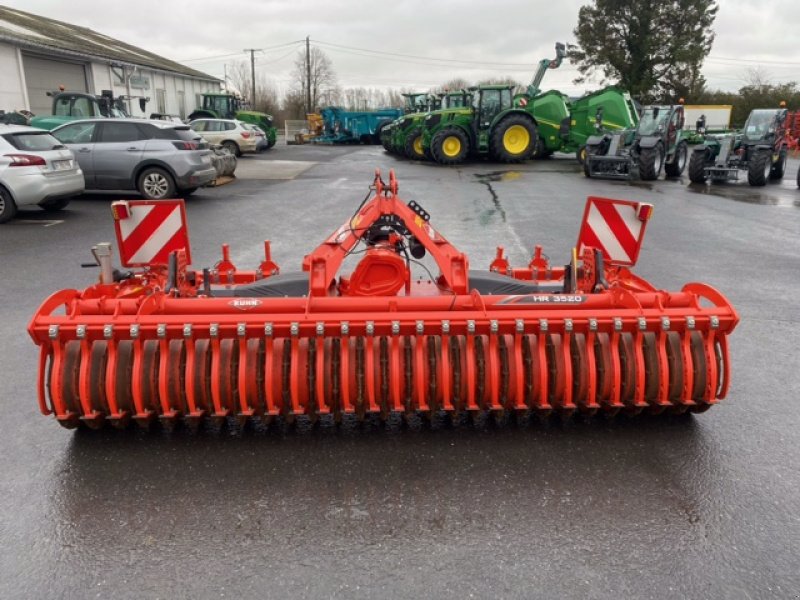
35	168
262	143
234	135
159	159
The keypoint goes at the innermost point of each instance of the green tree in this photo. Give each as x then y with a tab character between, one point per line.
653	49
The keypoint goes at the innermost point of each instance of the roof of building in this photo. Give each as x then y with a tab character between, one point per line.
48	35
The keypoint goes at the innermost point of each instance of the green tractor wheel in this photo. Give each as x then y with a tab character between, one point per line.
778	167
678	164
514	139
413	147
450	146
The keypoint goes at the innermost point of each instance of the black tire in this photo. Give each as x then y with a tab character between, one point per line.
155	184
56	204
678	164
759	168
508	143
697	166
778	168
411	147
540	151
798	177
386	142
650	162
188	192
580	154
232	147
450	146
379	129
8	208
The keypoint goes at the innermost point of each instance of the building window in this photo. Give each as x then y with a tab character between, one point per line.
182	104
161	101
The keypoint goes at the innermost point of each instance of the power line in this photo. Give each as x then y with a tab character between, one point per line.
752	60
276	47
426	58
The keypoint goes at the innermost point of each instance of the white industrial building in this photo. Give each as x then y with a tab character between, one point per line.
37	55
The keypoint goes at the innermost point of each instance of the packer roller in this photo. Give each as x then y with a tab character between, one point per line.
163	342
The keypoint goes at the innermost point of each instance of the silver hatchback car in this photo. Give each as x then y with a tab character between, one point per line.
35	168
159	159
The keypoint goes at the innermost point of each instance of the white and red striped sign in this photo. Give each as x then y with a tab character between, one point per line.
149	230
616	227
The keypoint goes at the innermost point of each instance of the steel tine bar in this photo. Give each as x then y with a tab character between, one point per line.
493	364
663	364
216	372
269	373
294	370
84	373
471	367
395	369
420	380
519	368
111	372
344	366
639	371
369	362
544	384
245	371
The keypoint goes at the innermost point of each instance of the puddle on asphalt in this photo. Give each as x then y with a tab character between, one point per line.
745	193
487	179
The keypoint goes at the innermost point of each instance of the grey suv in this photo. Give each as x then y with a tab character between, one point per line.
159	159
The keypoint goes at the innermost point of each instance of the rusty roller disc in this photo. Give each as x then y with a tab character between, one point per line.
605	372
627	360
697	349
123	380
97	376
70	373
580	373
556	375
652	372
676	366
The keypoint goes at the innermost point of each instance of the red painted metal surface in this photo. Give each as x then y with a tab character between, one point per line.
585	337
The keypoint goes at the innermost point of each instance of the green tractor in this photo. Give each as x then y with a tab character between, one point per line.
497	123
416	103
657	142
229	106
407	135
71	106
760	149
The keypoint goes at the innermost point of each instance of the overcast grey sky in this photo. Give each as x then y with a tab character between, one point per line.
496	38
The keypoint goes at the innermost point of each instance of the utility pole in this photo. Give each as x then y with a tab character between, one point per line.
252	52
309	108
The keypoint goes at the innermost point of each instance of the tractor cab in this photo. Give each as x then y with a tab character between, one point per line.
416	102
490	102
763	124
458	99
661	121
224	105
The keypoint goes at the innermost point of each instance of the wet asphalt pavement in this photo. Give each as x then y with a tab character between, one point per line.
700	507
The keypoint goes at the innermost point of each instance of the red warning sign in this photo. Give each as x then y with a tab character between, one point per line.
149	230
616	227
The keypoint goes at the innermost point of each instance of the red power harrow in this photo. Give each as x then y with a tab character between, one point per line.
166	343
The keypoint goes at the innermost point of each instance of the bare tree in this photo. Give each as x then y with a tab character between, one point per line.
323	77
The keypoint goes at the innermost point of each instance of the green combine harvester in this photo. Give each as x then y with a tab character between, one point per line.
228	106
565	126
